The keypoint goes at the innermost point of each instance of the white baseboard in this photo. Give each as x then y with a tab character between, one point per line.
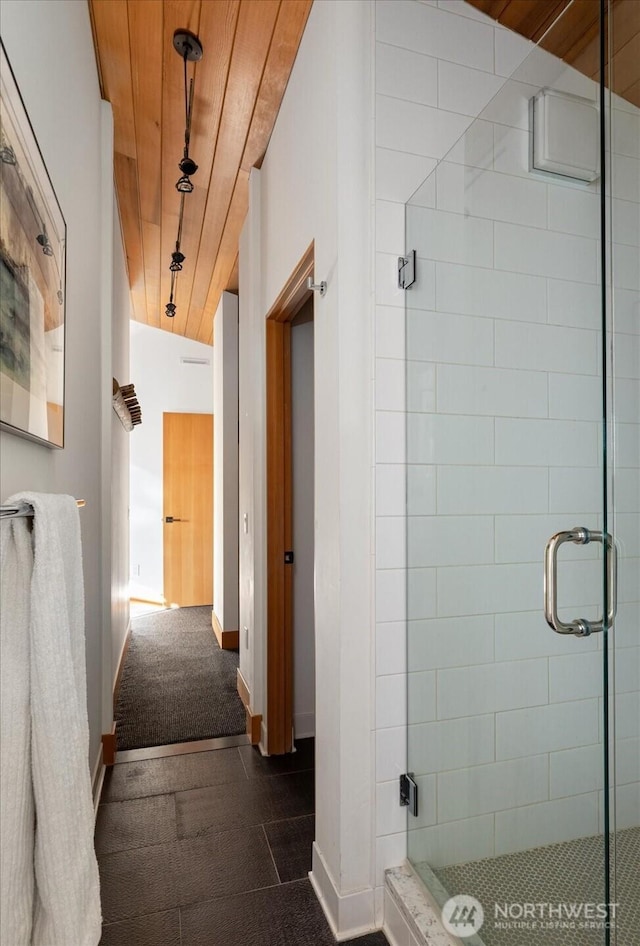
348	916
304	725
97	780
123	647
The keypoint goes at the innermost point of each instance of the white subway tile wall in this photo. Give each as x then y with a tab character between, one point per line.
627	805
423	29
502	437
520	828
484	788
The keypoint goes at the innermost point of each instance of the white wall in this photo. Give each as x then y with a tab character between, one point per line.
252	456
120	458
315	185
503	398
225	464
163	384
115	305
302	437
62	97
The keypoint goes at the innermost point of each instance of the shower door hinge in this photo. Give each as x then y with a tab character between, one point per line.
409	793
407	270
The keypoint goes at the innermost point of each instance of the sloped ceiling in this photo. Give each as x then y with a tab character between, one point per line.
575	37
249	50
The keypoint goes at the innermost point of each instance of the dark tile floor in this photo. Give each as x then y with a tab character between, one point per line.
211	849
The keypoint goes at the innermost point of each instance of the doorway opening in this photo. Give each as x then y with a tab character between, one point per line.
176	686
290	513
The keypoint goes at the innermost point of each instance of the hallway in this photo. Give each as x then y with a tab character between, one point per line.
177	685
211	849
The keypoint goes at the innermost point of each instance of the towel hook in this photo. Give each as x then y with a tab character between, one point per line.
320	287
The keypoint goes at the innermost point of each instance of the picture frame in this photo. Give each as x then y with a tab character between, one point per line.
33	239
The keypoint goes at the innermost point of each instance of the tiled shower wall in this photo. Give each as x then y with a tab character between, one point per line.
502	442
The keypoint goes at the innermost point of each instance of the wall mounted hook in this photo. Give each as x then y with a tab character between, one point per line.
320	287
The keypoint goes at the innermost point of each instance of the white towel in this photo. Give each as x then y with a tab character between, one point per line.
16	793
66	893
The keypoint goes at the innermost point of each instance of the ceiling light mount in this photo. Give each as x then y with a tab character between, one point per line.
188	166
177	259
187	45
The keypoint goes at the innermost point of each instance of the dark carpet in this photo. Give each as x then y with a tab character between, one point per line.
177	684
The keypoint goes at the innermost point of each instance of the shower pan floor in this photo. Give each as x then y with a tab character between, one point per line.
566	873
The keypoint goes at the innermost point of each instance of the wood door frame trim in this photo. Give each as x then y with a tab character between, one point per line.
279	505
295	292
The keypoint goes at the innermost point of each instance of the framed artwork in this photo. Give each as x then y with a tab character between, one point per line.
33	238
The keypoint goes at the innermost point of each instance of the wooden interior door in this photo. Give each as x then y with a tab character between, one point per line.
188	508
279	510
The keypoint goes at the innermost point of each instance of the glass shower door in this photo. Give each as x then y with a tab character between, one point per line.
622	362
522	425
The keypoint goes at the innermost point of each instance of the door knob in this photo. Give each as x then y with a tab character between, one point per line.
172	519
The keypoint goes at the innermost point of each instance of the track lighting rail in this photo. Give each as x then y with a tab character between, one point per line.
189	48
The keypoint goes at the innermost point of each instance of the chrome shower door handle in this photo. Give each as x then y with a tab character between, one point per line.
580	536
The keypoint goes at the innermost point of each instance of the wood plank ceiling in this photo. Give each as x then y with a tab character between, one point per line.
575	38
249	50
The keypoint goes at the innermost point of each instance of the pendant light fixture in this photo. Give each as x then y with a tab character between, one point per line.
189	48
